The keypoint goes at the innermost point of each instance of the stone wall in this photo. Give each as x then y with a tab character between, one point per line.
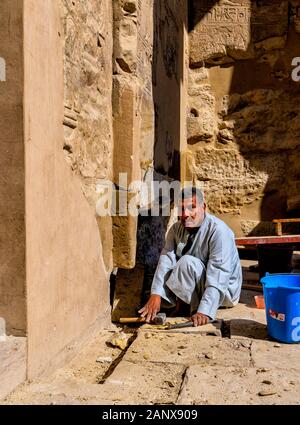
88	135
66	280
243	118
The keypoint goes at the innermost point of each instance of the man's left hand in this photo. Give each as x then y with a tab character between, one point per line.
200	319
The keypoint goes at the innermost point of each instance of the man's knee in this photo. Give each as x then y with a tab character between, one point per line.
190	263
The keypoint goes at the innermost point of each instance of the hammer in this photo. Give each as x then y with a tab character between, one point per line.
185	324
160	319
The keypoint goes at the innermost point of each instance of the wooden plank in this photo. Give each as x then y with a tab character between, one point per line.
253	287
266	240
286	220
279	221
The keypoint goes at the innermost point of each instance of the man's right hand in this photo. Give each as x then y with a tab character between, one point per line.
151	308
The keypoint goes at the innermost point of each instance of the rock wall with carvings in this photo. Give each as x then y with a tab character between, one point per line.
243	119
88	147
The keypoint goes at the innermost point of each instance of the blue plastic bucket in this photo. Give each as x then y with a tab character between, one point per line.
282	301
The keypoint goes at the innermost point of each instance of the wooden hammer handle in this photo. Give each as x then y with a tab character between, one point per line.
132	319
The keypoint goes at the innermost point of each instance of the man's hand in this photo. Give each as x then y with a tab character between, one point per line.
200	319
151	308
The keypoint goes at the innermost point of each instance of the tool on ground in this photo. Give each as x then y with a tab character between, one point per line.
184	324
160	319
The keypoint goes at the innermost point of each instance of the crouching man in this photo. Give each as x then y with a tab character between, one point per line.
199	268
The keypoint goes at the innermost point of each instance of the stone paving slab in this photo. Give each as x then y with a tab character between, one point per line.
271	354
234	385
129	384
90	364
245	328
187	349
246	309
213	329
68	392
13	360
145	383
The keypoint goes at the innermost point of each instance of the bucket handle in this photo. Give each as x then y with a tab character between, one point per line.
281	274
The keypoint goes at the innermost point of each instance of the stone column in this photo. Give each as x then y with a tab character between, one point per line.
132	107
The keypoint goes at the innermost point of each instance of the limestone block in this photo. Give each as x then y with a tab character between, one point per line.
235	385
187	349
270	354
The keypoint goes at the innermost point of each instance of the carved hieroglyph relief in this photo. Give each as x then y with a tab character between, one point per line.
220	27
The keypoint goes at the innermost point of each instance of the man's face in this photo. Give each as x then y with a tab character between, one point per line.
191	212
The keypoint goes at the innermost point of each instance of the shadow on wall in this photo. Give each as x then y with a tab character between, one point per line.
248	159
167	77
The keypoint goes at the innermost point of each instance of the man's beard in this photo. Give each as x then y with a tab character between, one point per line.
191	223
